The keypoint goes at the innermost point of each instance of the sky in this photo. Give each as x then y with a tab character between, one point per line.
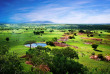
57	11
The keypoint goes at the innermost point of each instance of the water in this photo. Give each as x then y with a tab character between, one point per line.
33	45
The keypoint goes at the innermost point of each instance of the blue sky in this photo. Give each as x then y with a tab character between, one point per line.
57	11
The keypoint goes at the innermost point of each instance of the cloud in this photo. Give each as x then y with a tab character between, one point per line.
76	12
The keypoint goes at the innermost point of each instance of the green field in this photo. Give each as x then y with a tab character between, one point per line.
17	39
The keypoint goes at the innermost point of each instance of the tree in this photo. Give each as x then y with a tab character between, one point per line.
39	56
87	35
3	50
54	39
94	46
100	56
50	43
10	64
62	65
41	31
91	35
71	37
7	39
100	32
30	42
81	31
58	62
75	34
67	52
51	30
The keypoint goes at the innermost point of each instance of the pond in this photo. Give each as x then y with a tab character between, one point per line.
33	45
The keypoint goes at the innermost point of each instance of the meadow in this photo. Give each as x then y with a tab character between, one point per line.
18	37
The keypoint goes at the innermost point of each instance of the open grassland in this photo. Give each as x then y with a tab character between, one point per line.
19	37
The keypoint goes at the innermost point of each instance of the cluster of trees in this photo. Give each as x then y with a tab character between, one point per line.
94	27
79	26
61	61
51	30
38	32
71	30
40	29
90	35
71	37
51	43
88	32
9	64
81	31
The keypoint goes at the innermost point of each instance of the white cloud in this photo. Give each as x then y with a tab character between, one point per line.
67	14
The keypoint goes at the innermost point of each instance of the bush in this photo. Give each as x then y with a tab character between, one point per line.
100	56
94	46
93	53
10	64
7	39
63	42
51	30
91	35
81	31
75	34
54	39
87	35
4	50
50	43
71	37
41	31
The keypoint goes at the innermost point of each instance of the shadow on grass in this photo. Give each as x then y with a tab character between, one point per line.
97	50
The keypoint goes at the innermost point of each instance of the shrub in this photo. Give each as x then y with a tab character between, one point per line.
81	31
51	31
61	64
54	39
71	37
7	39
75	34
94	46
63	42
93	53
50	43
41	31
100	56
91	35
87	35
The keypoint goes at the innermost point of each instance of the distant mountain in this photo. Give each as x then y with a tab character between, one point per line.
39	22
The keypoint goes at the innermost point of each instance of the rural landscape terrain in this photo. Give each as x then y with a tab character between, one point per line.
54	36
32	48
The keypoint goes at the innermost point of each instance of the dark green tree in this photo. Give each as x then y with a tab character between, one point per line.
4	49
30	42
7	39
10	64
94	46
54	39
50	43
